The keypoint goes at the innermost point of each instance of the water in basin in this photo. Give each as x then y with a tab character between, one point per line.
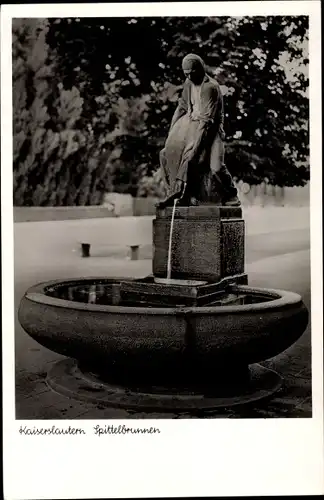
103	292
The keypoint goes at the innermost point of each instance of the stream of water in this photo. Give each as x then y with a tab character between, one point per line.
170	240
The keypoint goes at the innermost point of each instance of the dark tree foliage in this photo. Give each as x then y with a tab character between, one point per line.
269	113
127	73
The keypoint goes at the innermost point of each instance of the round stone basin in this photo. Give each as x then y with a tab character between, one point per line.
85	319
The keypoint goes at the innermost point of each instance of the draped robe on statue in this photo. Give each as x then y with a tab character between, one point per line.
193	156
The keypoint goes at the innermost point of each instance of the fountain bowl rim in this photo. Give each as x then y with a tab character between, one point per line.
278	299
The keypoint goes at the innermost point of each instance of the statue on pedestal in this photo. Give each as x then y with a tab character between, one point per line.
192	160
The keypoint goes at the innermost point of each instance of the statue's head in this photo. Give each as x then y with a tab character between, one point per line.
194	68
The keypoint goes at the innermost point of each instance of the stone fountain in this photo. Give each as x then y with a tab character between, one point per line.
190	342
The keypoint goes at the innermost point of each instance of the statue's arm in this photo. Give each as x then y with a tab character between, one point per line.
210	102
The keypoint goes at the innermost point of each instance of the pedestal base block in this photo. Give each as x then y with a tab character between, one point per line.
207	243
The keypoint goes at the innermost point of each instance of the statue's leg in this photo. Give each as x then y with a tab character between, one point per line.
178	193
191	194
171	159
224	180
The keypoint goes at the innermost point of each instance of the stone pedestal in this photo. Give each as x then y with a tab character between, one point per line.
207	243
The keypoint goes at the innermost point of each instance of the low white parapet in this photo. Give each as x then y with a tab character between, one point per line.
37	214
124	205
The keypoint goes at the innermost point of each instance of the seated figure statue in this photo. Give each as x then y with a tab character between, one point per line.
192	160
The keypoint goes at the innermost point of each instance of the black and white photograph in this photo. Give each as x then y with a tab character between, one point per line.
161	197
161	185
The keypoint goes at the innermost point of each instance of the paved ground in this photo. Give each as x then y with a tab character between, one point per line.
277	255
